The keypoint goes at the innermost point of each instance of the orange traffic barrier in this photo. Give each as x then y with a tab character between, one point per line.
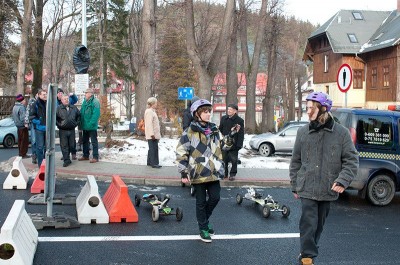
118	203
38	183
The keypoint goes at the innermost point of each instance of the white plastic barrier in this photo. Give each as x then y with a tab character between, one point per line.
18	176
89	206
18	237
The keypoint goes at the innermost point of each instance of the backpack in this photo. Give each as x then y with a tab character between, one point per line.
141	125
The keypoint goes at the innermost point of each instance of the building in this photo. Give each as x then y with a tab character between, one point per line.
368	41
219	95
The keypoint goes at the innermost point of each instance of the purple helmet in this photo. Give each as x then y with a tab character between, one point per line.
321	98
199	103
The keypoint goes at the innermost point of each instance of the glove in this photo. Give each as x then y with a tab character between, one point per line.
184	177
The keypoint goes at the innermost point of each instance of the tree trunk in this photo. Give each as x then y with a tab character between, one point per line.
38	48
24	46
299	98
231	66
145	88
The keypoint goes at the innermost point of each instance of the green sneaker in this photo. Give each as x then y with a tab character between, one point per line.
205	236
211	230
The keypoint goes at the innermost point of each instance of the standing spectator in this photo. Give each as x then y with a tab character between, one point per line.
152	132
38	117
323	164
18	114
187	115
29	125
199	158
67	118
229	123
72	97
90	114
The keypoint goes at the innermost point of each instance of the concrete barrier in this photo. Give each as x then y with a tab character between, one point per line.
18	237
18	177
89	205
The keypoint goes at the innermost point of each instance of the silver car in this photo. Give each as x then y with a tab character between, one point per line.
282	141
9	133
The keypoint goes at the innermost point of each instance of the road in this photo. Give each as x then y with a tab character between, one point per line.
355	232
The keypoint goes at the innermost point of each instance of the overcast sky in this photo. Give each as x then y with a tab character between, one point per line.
319	11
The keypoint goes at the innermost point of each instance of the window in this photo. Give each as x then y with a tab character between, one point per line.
357	15
386	76
374	77
326	63
327	89
352	37
292	131
358	78
375	131
308	83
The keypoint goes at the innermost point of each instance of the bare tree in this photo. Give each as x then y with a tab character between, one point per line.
24	46
273	34
251	67
206	70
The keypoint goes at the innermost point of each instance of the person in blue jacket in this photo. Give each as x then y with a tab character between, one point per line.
72	97
38	118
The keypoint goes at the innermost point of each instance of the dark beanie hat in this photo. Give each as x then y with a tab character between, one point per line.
60	90
19	97
233	106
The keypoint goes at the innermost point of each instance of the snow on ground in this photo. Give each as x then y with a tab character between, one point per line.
135	153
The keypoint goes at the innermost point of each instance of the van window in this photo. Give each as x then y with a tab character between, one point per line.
375	131
341	117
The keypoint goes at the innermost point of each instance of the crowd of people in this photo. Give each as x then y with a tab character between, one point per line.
30	115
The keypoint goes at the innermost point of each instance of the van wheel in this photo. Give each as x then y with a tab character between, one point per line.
381	190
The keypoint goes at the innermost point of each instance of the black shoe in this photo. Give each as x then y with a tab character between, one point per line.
67	163
156	166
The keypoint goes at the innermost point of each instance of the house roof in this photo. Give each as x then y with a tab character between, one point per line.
387	35
344	23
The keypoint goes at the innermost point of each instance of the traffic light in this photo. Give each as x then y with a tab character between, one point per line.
81	59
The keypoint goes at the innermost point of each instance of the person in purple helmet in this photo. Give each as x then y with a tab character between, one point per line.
199	158
324	162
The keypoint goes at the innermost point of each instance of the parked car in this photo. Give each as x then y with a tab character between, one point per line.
8	132
375	134
282	141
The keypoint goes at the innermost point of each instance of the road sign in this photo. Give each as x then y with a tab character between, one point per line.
344	77
185	93
81	83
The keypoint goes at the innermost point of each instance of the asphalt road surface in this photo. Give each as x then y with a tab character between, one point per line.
355	232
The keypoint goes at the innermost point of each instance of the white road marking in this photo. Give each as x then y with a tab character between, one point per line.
165	238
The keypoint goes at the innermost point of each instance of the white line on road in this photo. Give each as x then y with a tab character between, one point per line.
165	238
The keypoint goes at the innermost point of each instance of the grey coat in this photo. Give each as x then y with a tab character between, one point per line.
18	115
321	158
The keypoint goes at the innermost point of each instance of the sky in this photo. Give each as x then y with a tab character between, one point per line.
319	11
135	153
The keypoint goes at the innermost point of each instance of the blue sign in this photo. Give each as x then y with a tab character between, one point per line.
185	93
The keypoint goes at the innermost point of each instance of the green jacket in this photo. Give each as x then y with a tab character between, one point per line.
90	114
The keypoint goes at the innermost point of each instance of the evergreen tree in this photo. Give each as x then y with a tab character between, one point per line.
175	71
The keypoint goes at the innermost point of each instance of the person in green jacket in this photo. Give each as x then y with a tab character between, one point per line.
90	114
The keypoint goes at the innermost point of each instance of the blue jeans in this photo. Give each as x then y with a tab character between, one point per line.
204	207
92	134
40	145
33	139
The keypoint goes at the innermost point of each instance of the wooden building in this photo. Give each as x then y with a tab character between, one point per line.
368	41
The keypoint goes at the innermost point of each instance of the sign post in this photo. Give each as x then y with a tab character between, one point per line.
344	80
